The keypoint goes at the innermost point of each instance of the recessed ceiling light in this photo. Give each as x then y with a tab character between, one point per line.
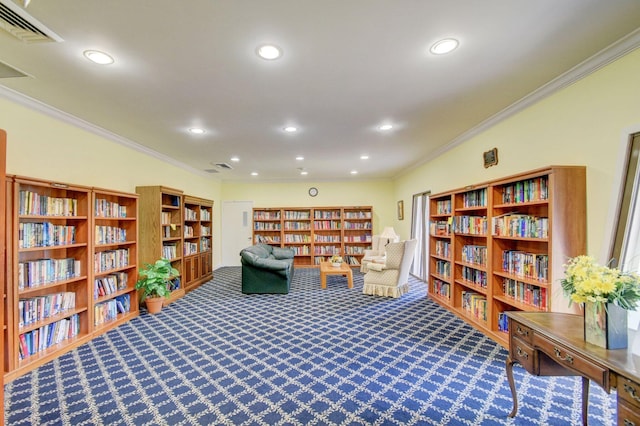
385	127
354	172
299	158
235	159
197	130
254	173
290	129
364	157
444	46
304	172
98	57
269	52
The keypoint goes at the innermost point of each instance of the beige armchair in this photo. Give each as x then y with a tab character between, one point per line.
392	278
378	245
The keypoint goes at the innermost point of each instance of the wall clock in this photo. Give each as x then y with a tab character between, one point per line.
313	191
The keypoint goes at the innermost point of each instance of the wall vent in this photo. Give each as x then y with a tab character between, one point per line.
24	27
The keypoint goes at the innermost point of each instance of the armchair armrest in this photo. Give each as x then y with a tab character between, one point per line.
282	253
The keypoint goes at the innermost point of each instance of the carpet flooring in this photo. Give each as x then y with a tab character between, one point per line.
311	357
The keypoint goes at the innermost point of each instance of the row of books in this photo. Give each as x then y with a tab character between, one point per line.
503	322
357	215
443	249
443	207
442	288
268	239
297	238
474	254
170	231
110	284
266	226
325	250
357	225
295	226
327	238
169	250
45	234
33	204
41	338
474	276
110	235
297	214
528	294
34	309
443	268
188	231
110	259
205	215
440	228
165	218
326	214
205	244
326	224
475	304
39	272
106	208
477	198
109	310
190	248
354	250
519	225
190	214
359	238
301	250
262	215
205	230
474	225
527	265
536	189
351	260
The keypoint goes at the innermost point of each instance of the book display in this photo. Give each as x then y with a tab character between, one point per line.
316	233
115	223
162	231
500	246
198	260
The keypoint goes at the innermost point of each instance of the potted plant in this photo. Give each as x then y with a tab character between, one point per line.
153	281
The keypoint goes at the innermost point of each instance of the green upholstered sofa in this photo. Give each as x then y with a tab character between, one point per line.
266	269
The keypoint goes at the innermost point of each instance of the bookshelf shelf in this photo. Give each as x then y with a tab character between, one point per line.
315	233
520	229
197	241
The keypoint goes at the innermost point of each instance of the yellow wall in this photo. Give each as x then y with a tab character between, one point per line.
375	193
583	124
43	147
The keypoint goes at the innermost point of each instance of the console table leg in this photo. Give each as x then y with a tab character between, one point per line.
512	385
585	400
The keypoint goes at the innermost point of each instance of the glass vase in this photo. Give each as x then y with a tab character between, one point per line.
605	325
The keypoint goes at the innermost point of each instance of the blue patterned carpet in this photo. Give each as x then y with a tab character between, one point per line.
312	357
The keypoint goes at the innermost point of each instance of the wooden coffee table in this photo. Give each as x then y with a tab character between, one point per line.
326	268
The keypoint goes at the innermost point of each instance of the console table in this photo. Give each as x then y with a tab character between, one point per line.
552	344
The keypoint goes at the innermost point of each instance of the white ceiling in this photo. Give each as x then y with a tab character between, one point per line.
348	66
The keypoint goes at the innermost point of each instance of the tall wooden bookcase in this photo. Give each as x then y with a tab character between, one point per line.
197	241
162	230
71	268
500	246
316	233
115	223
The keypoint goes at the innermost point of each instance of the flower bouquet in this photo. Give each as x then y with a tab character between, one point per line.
606	294
336	260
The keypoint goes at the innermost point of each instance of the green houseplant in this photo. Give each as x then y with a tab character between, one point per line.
153	282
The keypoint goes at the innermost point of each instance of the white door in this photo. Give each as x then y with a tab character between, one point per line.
236	230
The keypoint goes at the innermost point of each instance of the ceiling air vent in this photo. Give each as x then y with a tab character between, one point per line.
23	26
224	166
211	171
7	71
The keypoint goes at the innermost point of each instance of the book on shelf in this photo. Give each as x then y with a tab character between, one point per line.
111	259
33	204
108	209
45	234
34	273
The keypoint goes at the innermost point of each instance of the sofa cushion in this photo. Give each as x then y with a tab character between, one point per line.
281	253
259	250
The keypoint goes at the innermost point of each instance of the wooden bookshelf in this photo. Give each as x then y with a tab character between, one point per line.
161	231
316	233
500	246
48	251
197	241
115	254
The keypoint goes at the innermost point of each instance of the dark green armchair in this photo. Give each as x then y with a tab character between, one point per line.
266	269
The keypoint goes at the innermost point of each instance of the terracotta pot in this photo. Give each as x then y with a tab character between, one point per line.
154	304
